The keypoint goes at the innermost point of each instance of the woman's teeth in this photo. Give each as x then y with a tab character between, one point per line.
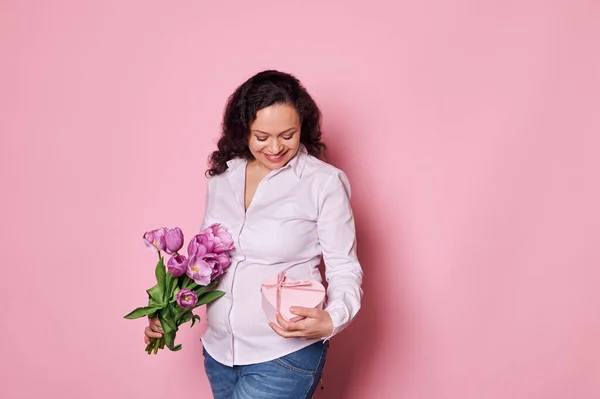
274	158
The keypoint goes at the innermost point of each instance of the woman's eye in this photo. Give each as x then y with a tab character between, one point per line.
289	137
261	139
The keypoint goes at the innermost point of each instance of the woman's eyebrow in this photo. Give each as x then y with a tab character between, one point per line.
285	131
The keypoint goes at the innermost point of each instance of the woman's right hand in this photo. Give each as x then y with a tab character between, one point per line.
153	330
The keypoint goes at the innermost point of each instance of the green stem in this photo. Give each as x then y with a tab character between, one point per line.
187	283
149	346
156	345
178	315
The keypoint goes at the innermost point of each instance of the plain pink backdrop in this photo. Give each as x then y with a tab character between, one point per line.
469	130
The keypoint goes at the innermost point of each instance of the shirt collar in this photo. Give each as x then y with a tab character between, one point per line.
296	164
234	163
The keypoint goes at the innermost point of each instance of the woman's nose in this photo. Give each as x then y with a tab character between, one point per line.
275	147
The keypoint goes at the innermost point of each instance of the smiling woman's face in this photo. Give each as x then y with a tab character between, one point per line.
275	136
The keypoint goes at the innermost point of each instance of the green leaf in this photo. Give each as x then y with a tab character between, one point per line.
188	283
155	294
209	297
167	321
170	341
168	279
174	295
202	289
176	312
141	312
199	291
171	283
194	318
185	317
160	276
174	289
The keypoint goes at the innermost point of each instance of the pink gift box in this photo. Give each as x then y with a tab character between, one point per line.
279	293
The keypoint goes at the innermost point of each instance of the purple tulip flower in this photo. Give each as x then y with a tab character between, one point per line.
219	264
222	240
173	240
187	298
177	265
198	246
155	239
199	270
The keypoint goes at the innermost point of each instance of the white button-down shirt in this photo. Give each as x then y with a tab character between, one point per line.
299	213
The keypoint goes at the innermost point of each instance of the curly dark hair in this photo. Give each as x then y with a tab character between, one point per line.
260	91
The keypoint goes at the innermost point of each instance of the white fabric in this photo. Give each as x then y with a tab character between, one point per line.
298	214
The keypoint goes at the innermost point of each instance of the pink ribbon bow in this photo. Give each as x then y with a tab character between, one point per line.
284	282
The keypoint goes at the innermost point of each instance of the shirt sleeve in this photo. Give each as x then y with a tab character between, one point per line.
208	218
337	237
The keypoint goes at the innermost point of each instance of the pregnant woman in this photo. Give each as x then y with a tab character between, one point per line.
286	210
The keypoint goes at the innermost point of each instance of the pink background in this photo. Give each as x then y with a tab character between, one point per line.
469	130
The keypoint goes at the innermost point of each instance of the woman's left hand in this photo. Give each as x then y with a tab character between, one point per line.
316	324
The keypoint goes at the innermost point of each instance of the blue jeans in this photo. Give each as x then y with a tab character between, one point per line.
293	376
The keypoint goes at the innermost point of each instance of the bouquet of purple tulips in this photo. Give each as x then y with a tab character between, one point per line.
187	282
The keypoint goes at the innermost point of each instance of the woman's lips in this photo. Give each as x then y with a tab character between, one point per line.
274	158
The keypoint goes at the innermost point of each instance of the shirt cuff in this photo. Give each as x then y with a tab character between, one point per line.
338	317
